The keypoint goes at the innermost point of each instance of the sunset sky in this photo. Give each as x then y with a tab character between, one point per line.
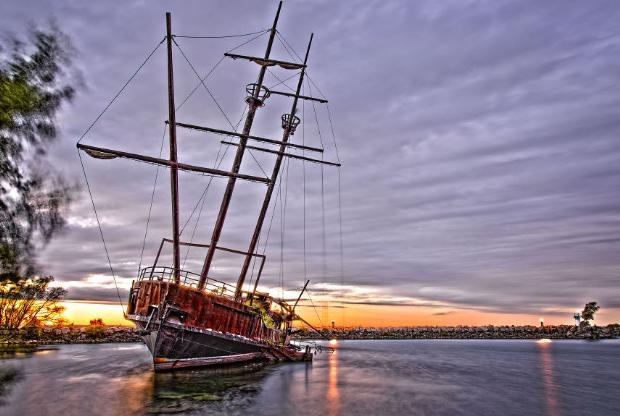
479	141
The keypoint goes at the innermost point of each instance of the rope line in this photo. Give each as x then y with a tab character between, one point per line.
217	104
314	307
120	91
303	170
92	201
288	47
198	85
204	85
148	218
282	81
324	243
206	191
215	66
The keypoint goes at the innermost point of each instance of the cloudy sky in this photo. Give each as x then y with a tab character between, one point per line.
479	142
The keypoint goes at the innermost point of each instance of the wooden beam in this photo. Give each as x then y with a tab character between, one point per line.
293	156
168	163
255	138
267	62
303	97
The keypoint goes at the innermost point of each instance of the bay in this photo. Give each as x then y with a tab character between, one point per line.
381	377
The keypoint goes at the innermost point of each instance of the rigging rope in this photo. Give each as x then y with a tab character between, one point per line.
206	190
324	243
281	81
283	225
288	47
203	84
92	201
303	168
314	307
120	91
148	218
215	66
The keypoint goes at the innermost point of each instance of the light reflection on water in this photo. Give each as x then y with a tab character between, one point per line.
332	391
549	383
434	377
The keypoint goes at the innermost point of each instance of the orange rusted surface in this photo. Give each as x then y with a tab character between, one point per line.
206	309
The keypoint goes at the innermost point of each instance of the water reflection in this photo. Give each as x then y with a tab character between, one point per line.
333	395
548	376
189	390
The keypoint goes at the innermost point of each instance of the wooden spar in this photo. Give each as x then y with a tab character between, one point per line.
266	61
291	155
165	162
250	137
253	104
174	170
161	246
303	97
271	186
300	293
229	250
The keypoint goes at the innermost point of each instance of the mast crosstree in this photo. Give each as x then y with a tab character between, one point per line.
253	103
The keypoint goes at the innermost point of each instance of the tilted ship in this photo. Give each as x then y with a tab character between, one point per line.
187	318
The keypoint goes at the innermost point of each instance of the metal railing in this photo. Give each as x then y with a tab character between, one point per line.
187	278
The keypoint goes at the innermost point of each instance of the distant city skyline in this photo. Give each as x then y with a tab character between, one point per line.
479	141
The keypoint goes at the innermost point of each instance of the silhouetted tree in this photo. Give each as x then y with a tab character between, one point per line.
588	312
29	302
96	328
97	322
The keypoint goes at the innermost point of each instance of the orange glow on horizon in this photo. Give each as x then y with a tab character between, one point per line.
81	312
347	316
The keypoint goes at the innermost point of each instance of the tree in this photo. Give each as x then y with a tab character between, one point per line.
29	302
97	322
96	329
35	80
588	312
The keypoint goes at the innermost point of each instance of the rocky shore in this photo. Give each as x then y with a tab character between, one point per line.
469	332
70	335
101	334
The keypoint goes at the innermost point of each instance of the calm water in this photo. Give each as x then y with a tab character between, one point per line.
409	377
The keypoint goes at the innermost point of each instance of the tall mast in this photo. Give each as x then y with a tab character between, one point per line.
174	172
253	103
272	183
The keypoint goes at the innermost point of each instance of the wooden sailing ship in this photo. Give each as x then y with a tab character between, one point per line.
187	318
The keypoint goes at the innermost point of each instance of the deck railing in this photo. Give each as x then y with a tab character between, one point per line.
187	278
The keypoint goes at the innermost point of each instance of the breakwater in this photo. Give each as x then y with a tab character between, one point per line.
70	335
101	334
469	332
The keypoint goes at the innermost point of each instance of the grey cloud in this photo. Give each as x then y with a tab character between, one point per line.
479	140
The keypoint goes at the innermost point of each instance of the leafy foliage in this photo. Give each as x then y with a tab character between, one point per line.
29	302
34	82
589	310
96	329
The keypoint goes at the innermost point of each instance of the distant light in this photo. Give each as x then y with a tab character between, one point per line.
333	341
544	341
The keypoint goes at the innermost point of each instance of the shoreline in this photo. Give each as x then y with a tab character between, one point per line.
556	332
113	334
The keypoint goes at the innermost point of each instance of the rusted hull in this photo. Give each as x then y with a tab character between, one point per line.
185	328
185	363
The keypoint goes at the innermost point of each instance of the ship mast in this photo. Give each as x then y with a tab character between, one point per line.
253	102
288	130
174	170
